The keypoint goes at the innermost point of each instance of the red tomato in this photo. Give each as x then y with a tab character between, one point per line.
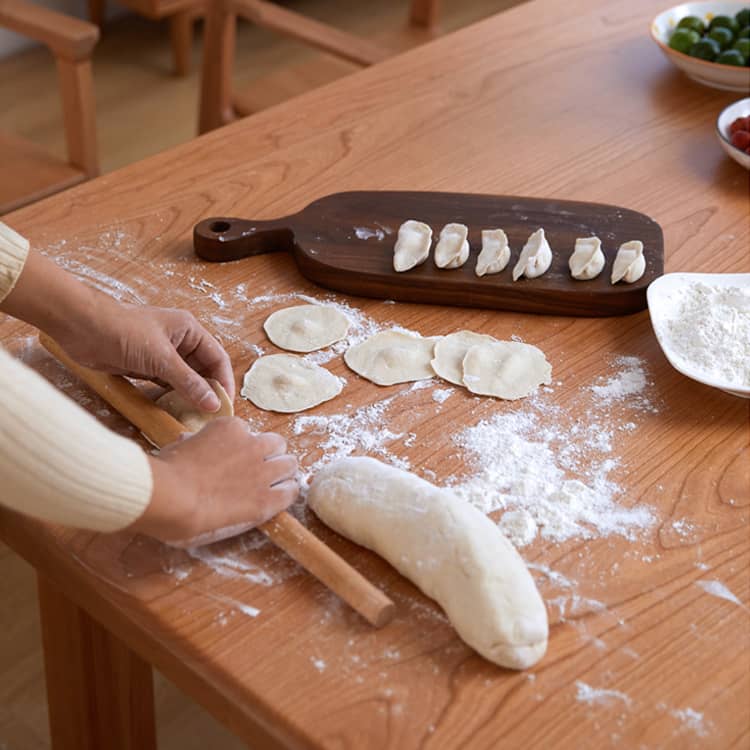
740	139
741	123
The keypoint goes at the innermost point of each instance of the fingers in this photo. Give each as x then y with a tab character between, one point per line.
272	444
204	353
282	468
189	384
280	497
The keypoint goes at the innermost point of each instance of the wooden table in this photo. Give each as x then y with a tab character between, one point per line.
583	107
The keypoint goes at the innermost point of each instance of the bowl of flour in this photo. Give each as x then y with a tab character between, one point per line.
702	323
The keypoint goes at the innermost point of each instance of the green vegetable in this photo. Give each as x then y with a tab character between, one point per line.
743	47
726	22
705	49
683	39
722	35
692	22
743	17
731	57
744	33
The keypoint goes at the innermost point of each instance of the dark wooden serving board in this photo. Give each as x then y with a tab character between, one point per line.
345	242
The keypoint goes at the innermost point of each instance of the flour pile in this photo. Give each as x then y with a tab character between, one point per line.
711	331
552	473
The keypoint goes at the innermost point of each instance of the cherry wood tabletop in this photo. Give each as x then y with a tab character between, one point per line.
554	100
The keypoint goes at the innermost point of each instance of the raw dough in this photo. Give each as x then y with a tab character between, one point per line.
535	258
412	245
452	248
587	260
306	328
392	357
285	383
629	262
191	417
506	369
446	547
450	350
495	252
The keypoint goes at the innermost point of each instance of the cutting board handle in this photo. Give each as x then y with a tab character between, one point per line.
221	238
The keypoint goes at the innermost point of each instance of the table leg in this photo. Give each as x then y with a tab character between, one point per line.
100	693
181	32
424	13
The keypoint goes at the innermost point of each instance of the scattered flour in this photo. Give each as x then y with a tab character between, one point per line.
691	720
629	383
365	233
441	395
319	664
587	694
711	331
717	588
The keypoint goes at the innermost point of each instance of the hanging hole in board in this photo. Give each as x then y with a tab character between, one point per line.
219	226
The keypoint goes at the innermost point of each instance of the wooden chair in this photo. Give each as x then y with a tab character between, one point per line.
28	172
180	13
218	105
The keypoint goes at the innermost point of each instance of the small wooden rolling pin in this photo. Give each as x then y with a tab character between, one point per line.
284	530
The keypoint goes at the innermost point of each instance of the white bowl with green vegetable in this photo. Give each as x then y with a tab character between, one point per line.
709	41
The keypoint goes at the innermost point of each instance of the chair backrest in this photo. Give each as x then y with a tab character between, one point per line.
219	43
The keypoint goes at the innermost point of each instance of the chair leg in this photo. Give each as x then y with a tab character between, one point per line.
219	33
181	32
424	13
97	9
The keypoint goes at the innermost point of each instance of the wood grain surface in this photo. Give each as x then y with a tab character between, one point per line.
567	101
345	242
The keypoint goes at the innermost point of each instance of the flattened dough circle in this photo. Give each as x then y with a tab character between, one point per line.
506	369
391	357
446	547
285	383
305	328
450	351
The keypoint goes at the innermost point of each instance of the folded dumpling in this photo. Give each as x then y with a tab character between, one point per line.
587	260
495	252
535	259
452	248
412	245
629	262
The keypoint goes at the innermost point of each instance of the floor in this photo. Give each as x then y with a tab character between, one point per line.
143	109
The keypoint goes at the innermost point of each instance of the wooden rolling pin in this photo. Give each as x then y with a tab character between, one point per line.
284	530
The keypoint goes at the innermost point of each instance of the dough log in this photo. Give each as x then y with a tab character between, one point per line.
444	545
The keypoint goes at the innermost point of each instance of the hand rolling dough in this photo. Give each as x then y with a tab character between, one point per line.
450	350
190	416
305	328
285	383
391	357
506	369
446	547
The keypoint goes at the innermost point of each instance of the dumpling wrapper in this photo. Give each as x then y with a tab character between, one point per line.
495	252
391	357
450	350
285	383
535	258
412	245
629	262
587	260
505	369
306	328
452	248
193	418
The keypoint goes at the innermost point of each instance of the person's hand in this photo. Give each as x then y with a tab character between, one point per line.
218	483
154	343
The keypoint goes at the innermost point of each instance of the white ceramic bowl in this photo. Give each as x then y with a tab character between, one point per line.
727	77
663	298
726	118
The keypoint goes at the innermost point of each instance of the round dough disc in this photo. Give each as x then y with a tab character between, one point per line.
285	383
192	418
391	357
306	328
506	369
450	351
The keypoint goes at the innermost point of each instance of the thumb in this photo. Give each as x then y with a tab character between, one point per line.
189	384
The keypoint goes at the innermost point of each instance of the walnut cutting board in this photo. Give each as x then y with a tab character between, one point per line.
344	242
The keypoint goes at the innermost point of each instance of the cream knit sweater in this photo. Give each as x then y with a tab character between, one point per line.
57	462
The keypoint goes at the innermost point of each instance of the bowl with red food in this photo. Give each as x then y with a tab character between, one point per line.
733	129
